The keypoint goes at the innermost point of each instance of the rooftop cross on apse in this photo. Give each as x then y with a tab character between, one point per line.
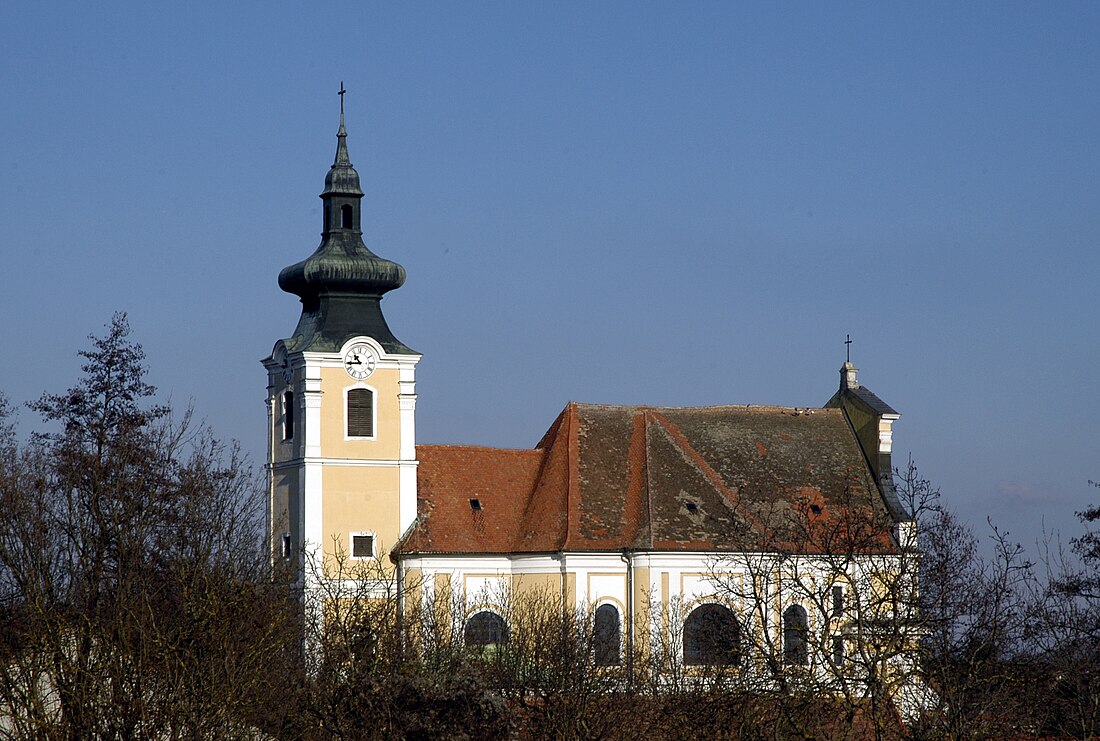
847	341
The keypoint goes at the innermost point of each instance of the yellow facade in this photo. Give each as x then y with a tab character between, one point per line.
386	443
360	499
325	485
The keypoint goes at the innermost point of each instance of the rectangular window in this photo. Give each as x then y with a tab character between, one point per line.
362	546
838	650
287	547
360	413
288	415
838	601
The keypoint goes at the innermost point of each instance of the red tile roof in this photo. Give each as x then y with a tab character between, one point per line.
605	478
450	476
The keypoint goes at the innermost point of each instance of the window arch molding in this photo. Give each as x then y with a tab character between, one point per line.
360	385
608	600
712	634
484	626
607	633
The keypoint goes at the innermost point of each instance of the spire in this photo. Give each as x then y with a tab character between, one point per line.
342	179
342	282
342	136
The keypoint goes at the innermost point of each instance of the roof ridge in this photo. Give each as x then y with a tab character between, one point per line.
704	408
637	489
572	470
545	447
552	431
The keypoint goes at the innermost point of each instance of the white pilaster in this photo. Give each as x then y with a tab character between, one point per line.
311	506
270	466
407	404
886	432
311	406
407	398
311	480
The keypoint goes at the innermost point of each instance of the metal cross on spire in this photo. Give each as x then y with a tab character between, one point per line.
341	94
847	345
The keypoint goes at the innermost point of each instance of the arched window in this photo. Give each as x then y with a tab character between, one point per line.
485	629
607	636
712	637
288	415
360	413
345	217
795	633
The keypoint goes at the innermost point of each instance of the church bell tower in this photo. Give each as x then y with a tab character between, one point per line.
341	397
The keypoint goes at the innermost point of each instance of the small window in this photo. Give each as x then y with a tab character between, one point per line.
475	505
485	629
345	217
287	546
607	636
362	546
838	650
288	415
360	413
795	633
712	637
838	601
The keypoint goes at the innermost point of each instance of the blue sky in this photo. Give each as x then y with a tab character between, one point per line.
663	203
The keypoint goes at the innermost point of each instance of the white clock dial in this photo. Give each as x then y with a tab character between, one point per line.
359	361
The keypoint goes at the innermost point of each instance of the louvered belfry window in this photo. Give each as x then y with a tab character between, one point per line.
288	415
360	413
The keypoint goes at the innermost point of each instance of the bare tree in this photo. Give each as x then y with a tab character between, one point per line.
1066	635
978	646
567	678
132	572
379	667
831	620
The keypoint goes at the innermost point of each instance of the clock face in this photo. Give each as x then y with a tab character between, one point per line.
359	361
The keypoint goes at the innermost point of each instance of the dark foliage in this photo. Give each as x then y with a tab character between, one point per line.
132	568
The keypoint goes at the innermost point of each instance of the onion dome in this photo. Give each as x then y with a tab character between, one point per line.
341	284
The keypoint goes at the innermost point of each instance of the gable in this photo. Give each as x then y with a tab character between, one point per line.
730	478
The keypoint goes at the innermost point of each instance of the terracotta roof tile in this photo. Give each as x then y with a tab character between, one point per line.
449	477
613	477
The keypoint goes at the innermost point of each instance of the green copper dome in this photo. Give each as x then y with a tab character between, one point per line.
341	284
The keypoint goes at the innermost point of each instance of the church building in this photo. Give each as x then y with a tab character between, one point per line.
741	525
